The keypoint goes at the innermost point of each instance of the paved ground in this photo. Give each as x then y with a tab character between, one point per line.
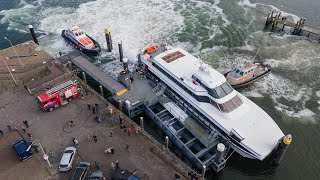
31	58
10	162
54	133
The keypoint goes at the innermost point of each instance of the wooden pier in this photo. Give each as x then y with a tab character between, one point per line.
298	28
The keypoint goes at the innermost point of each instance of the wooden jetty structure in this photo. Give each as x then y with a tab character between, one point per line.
298	27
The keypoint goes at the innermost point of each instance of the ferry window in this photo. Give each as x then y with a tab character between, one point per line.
222	90
241	73
234	69
203	99
238	71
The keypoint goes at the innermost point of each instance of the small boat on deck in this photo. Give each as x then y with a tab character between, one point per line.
81	41
247	73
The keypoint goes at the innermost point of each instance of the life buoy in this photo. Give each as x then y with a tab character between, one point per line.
151	49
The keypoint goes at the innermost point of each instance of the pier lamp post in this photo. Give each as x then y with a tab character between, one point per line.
14	50
45	156
15	82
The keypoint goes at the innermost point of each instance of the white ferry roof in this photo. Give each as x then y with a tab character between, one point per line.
174	59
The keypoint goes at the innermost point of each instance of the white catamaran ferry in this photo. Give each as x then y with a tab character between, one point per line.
251	130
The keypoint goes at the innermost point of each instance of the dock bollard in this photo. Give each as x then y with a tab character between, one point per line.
203	171
141	123
125	64
101	90
33	34
282	148
108	39
220	151
120	51
167	142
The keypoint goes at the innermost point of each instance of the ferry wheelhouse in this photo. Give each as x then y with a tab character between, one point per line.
251	130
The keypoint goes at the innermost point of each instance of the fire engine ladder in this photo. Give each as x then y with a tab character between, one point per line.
60	88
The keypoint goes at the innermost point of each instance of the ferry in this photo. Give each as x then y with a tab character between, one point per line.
81	41
247	73
251	131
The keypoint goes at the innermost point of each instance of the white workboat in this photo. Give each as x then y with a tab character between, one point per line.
252	132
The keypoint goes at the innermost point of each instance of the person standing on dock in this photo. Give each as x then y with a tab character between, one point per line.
89	106
96	107
93	109
131	77
129	131
26	123
71	124
95	138
24	130
120	120
1	132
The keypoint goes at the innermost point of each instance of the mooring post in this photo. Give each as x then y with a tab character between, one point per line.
203	171
33	34
284	24
219	154
273	23
278	17
268	20
139	60
120	105
282	148
120	51
301	25
167	142
70	65
108	39
141	123
101	91
304	19
84	77
125	64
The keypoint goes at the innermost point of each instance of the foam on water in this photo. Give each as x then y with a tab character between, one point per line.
135	23
280	87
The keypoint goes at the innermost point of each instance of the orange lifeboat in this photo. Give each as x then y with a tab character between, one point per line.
151	49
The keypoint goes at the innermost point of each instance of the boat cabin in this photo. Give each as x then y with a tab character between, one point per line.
246	69
77	31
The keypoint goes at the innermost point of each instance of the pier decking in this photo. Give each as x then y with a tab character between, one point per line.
108	82
298	27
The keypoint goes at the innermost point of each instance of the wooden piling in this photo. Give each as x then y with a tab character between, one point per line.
284	24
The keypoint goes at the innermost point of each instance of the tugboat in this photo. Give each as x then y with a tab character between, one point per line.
247	73
81	41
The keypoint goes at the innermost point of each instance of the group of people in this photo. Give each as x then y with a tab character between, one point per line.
131	74
94	107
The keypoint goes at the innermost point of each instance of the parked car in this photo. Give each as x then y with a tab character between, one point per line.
97	175
67	159
22	149
81	171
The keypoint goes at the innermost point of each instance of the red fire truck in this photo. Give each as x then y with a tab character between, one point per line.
58	96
